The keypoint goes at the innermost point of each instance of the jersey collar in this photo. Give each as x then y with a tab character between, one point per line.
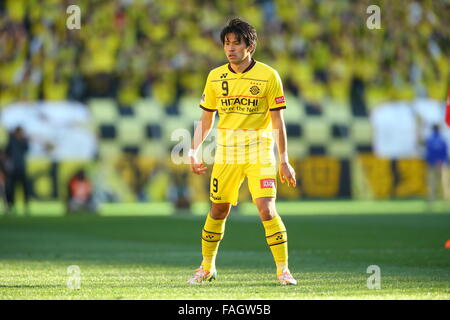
252	64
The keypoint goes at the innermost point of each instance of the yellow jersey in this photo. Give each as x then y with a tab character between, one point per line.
243	101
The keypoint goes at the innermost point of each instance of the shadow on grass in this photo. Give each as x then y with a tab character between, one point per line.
24	286
329	242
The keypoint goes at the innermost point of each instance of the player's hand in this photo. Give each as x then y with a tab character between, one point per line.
197	166
287	174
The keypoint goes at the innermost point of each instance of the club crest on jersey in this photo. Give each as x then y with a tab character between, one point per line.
223	76
254	90
267	183
279	100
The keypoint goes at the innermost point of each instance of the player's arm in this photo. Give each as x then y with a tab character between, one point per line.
286	171
202	130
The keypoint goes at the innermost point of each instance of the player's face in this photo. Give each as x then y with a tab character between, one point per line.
236	50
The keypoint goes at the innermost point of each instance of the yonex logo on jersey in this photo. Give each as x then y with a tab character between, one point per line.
267	183
279	100
223	76
254	90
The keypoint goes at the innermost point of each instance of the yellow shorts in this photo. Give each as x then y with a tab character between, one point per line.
226	179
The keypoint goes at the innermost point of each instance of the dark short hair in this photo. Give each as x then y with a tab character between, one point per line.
242	30
436	128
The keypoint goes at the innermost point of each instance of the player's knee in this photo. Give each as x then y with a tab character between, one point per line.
267	213
219	211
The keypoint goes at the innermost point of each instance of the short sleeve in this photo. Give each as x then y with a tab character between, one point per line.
275	94
208	100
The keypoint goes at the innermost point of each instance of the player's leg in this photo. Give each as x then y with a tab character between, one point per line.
444	182
212	233
430	184
226	180
10	191
276	237
224	187
262	185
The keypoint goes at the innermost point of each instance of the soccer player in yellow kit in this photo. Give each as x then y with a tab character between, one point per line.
248	95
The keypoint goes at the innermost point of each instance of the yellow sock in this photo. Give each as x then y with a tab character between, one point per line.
212	233
276	238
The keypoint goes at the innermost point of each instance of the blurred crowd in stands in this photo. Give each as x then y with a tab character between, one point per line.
164	49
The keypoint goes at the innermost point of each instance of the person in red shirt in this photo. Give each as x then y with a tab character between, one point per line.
80	193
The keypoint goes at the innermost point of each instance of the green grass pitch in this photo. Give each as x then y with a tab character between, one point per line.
151	257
